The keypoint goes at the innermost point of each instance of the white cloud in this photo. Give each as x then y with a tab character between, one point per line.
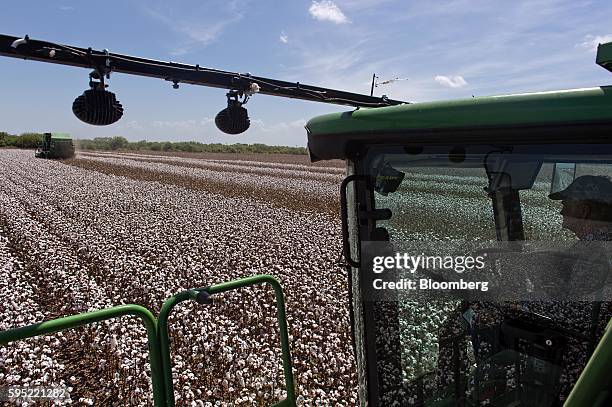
200	34
329	66
182	124
456	81
279	127
592	41
195	128
131	125
66	8
327	10
364	4
196	31
284	38
296	124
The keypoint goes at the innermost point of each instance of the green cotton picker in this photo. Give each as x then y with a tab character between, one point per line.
56	145
517	183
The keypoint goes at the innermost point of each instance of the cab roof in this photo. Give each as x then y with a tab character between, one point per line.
61	136
491	118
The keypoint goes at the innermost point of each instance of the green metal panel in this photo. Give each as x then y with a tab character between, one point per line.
549	108
604	55
595	379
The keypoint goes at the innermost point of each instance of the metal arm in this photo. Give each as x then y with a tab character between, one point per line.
105	62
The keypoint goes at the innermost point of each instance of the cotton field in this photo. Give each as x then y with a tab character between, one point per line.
105	229
78	237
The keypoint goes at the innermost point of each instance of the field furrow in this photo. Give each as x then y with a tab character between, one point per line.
293	194
243	166
92	240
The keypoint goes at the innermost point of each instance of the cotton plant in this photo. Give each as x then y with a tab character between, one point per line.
90	239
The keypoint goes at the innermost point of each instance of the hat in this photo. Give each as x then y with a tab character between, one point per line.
587	188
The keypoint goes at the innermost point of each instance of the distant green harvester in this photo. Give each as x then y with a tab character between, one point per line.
56	146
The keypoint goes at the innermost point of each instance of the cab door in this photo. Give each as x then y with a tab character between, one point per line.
524	344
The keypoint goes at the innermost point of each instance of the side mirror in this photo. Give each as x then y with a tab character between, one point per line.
563	175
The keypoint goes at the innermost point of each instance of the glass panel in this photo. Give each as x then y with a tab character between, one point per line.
563	176
527	351
434	203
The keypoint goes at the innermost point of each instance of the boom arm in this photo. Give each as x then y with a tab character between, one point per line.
105	62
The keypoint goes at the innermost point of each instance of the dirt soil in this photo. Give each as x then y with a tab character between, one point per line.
272	158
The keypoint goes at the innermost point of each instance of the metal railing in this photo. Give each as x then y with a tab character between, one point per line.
158	336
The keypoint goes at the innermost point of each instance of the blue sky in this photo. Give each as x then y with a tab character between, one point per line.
444	50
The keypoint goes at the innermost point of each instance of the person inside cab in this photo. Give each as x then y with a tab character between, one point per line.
587	212
587	207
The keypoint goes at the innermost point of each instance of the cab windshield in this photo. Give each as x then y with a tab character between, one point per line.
538	218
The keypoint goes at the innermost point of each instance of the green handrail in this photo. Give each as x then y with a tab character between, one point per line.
157	333
587	391
201	295
74	321
282	325
164	341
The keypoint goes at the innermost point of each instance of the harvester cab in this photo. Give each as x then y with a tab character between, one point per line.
473	279
55	146
476	236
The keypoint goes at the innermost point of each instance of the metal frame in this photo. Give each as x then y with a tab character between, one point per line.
594	386
196	294
157	333
105	62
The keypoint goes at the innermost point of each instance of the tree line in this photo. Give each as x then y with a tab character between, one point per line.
32	140
25	140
